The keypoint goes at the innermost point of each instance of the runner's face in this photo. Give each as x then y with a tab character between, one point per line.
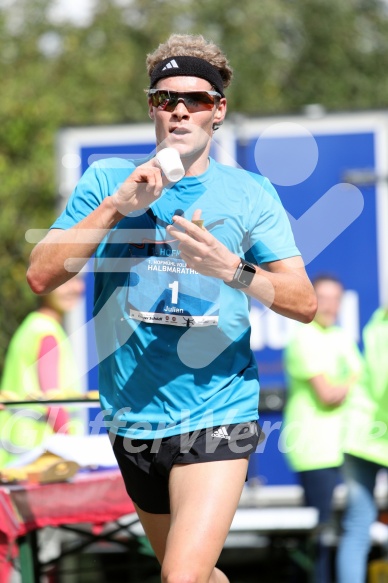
189	133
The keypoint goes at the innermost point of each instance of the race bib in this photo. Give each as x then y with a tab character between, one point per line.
163	290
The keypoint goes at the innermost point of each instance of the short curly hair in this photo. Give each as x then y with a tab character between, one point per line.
191	45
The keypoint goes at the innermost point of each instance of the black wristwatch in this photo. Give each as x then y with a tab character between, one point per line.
243	276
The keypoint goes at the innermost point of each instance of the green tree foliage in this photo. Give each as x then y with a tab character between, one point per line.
285	53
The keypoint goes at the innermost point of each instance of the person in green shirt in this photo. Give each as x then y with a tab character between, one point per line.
39	364
366	450
321	363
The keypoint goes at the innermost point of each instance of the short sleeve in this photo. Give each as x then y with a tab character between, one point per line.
271	237
86	197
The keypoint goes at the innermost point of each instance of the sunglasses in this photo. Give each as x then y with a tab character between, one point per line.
193	100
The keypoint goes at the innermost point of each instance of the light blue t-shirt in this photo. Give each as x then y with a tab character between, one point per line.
174	345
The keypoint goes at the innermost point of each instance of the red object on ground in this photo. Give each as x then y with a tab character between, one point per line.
94	497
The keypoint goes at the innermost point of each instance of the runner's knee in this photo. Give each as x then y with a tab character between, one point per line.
176	575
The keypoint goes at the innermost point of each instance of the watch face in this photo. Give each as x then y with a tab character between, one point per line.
246	275
243	276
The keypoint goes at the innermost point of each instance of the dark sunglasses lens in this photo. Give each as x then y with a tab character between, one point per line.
202	98
192	100
160	99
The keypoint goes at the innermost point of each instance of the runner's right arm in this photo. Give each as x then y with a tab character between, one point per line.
63	253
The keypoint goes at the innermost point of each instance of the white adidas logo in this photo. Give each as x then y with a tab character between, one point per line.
171	65
221	432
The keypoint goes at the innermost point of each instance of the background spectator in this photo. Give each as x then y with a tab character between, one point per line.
366	448
321	363
38	364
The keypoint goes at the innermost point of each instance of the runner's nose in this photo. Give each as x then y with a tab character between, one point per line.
181	109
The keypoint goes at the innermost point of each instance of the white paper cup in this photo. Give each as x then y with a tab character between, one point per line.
170	163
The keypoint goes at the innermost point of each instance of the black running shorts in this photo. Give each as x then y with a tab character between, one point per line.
145	464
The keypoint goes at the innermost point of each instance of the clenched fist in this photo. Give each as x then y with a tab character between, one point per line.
140	189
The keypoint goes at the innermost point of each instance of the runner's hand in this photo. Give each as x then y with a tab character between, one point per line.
140	189
201	251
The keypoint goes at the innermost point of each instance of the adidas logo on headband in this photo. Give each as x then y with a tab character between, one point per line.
187	66
171	65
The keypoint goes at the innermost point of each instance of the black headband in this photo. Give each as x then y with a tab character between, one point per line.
189	67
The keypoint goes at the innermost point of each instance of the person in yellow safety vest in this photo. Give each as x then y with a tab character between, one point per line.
39	363
322	363
366	451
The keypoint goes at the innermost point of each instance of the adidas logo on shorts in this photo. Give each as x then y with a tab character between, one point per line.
221	433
